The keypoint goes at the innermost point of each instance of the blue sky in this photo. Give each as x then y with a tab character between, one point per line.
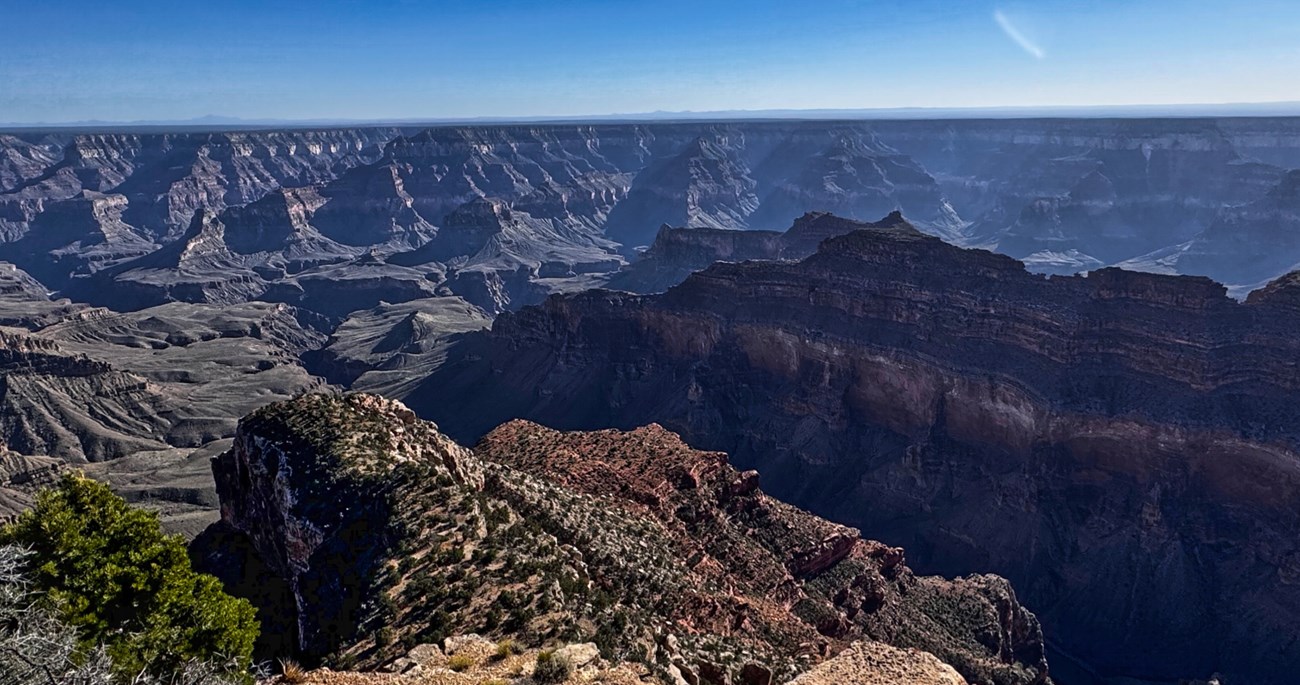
64	60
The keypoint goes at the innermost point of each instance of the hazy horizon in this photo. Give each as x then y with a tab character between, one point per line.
1225	110
403	60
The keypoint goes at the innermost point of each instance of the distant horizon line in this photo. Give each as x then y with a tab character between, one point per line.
1282	108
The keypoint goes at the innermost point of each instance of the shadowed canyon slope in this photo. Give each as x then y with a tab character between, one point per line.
1121	446
379	533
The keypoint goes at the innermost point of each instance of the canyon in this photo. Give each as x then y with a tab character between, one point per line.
1116	443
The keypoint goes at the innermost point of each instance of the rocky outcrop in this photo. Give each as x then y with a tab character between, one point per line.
679	252
199	267
388	349
383	531
873	663
369	206
477	662
280	221
229	258
306	482
1119	445
701	500
21	477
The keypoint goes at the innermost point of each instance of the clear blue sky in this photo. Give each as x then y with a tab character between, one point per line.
64	60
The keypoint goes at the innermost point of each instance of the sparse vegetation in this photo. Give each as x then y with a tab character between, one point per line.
505	648
551	668
291	672
460	662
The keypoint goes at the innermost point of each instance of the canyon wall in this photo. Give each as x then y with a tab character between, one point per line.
1122	446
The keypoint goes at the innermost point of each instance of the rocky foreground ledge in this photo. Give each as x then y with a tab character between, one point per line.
478	661
367	538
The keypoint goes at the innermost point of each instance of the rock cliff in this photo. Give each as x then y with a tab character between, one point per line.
1120	445
21	477
679	252
383	533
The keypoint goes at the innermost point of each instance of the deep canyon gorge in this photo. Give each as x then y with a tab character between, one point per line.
1062	351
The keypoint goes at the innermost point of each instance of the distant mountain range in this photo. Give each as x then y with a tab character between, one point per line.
215	121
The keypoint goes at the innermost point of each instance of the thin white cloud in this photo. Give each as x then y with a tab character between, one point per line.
1017	36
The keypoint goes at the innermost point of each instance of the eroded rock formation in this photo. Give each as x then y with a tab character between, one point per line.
1121	445
679	252
381	530
509	214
